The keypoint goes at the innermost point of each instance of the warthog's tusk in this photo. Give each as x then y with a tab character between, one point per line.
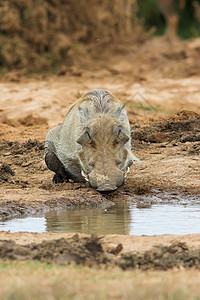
126	172
85	176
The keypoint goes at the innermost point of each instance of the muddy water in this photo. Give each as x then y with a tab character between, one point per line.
122	218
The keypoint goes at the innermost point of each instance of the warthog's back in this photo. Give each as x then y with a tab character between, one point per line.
98	101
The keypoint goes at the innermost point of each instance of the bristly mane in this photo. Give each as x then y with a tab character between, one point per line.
102	100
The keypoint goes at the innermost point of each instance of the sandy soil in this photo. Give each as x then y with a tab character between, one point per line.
160	86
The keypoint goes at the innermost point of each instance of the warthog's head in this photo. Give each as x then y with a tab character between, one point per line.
104	158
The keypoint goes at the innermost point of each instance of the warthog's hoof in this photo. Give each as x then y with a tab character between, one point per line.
58	178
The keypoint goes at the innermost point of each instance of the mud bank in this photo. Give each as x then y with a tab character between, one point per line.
16	202
92	251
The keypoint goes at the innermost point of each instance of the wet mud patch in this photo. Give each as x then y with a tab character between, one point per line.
15	155
86	251
91	252
26	204
183	127
21	148
5	173
162	258
23	160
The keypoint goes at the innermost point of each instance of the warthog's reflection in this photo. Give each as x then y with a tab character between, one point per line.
111	220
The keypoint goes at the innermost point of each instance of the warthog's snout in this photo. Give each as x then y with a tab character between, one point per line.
105	183
106	188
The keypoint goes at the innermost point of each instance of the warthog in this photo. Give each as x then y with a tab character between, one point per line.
93	144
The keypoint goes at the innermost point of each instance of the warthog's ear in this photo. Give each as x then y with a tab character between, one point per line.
85	137
84	114
121	113
121	135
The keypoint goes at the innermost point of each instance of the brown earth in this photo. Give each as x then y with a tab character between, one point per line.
160	86
91	251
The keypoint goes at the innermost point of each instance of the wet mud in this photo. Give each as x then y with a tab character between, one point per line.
183	127
162	258
90	251
22	170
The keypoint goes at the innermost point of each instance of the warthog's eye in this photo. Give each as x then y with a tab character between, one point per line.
118	161
88	134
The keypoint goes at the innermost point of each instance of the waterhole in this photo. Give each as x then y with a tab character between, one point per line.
124	217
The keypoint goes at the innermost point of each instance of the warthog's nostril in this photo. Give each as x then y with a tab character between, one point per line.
85	176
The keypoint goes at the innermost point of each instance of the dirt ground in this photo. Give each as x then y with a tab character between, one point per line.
93	251
160	85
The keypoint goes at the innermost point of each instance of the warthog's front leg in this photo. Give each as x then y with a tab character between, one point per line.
55	165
